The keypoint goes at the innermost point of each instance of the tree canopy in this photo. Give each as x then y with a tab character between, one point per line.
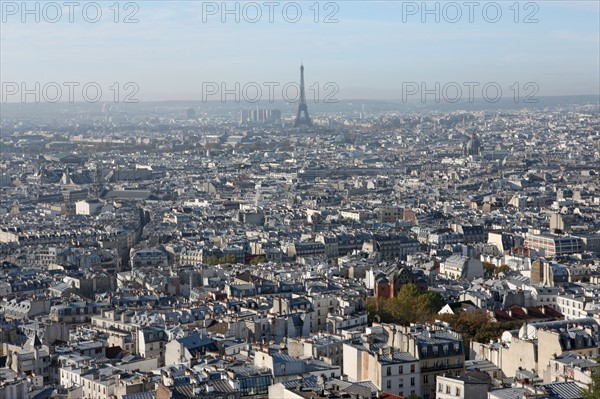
491	270
258	260
227	259
409	306
476	325
593	390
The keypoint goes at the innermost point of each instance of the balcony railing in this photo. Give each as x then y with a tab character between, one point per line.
450	366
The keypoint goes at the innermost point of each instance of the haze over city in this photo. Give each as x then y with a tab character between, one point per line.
367	48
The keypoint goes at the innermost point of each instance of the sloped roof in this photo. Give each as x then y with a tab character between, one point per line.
311	382
141	395
522	313
564	390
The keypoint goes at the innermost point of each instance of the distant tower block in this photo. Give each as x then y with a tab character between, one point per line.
302	108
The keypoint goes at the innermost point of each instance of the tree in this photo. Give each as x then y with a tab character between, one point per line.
502	269
258	260
593	390
488	268
430	302
228	259
377	310
403	307
212	261
409	305
476	325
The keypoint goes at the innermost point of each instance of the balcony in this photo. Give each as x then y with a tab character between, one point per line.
450	366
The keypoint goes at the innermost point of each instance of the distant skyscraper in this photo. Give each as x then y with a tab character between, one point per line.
302	104
260	115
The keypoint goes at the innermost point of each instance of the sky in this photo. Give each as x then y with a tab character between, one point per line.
194	50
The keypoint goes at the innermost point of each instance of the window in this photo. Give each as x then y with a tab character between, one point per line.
389	384
457	391
412	381
425	379
448	389
412	368
440	387
401	370
389	371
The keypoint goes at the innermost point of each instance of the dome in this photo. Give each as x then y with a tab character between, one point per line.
473	146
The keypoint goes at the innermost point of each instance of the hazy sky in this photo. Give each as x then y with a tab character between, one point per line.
369	53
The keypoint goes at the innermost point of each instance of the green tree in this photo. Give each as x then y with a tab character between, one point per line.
409	305
476	325
403	307
228	259
212	261
488	268
502	269
430	303
593	390
258	260
377	311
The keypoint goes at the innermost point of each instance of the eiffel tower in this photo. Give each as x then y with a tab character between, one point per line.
302	104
